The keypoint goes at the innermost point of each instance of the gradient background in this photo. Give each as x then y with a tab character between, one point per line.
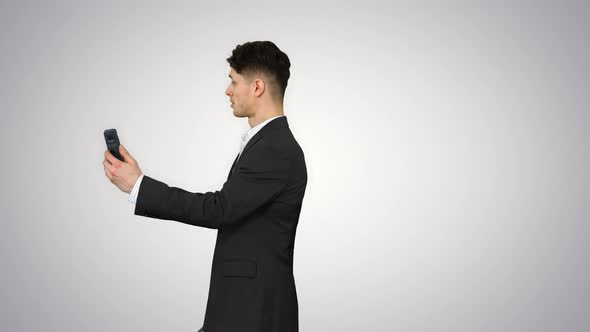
446	146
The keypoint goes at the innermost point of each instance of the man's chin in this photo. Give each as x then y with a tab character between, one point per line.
239	115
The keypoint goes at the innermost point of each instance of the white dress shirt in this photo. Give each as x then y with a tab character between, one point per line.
246	136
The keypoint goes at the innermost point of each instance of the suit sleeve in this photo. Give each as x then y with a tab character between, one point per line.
258	179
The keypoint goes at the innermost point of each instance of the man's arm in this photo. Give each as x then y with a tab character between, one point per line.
259	178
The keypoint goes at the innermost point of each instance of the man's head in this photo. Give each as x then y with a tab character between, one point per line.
259	74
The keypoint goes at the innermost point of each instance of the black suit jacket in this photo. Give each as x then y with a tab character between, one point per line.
252	288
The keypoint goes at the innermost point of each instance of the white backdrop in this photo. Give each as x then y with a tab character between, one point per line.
446	148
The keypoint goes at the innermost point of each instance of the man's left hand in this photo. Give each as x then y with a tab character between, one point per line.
123	174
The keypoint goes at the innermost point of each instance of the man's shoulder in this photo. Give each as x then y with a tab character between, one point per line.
279	139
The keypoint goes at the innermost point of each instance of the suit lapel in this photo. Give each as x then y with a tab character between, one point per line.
232	166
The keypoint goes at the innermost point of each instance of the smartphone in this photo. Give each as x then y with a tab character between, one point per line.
112	139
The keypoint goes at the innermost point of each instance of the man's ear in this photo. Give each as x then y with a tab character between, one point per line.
259	87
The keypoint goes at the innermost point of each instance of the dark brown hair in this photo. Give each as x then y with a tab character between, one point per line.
264	57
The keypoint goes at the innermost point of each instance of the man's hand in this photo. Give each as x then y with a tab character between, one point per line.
122	174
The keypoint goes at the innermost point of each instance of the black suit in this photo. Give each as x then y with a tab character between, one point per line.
252	288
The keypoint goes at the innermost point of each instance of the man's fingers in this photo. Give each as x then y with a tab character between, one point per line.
126	154
108	167
112	159
106	171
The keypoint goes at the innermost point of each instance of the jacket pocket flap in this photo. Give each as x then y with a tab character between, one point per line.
239	268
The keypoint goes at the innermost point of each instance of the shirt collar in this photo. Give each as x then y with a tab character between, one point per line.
252	131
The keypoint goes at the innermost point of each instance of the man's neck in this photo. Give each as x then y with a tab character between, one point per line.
257	119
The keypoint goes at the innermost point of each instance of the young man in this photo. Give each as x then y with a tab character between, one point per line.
256	212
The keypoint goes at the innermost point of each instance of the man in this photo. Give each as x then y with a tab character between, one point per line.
252	288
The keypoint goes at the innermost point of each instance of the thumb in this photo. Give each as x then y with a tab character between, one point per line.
126	154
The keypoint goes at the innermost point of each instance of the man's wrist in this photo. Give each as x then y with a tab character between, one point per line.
133	194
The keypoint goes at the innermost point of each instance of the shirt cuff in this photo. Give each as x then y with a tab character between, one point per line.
133	195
